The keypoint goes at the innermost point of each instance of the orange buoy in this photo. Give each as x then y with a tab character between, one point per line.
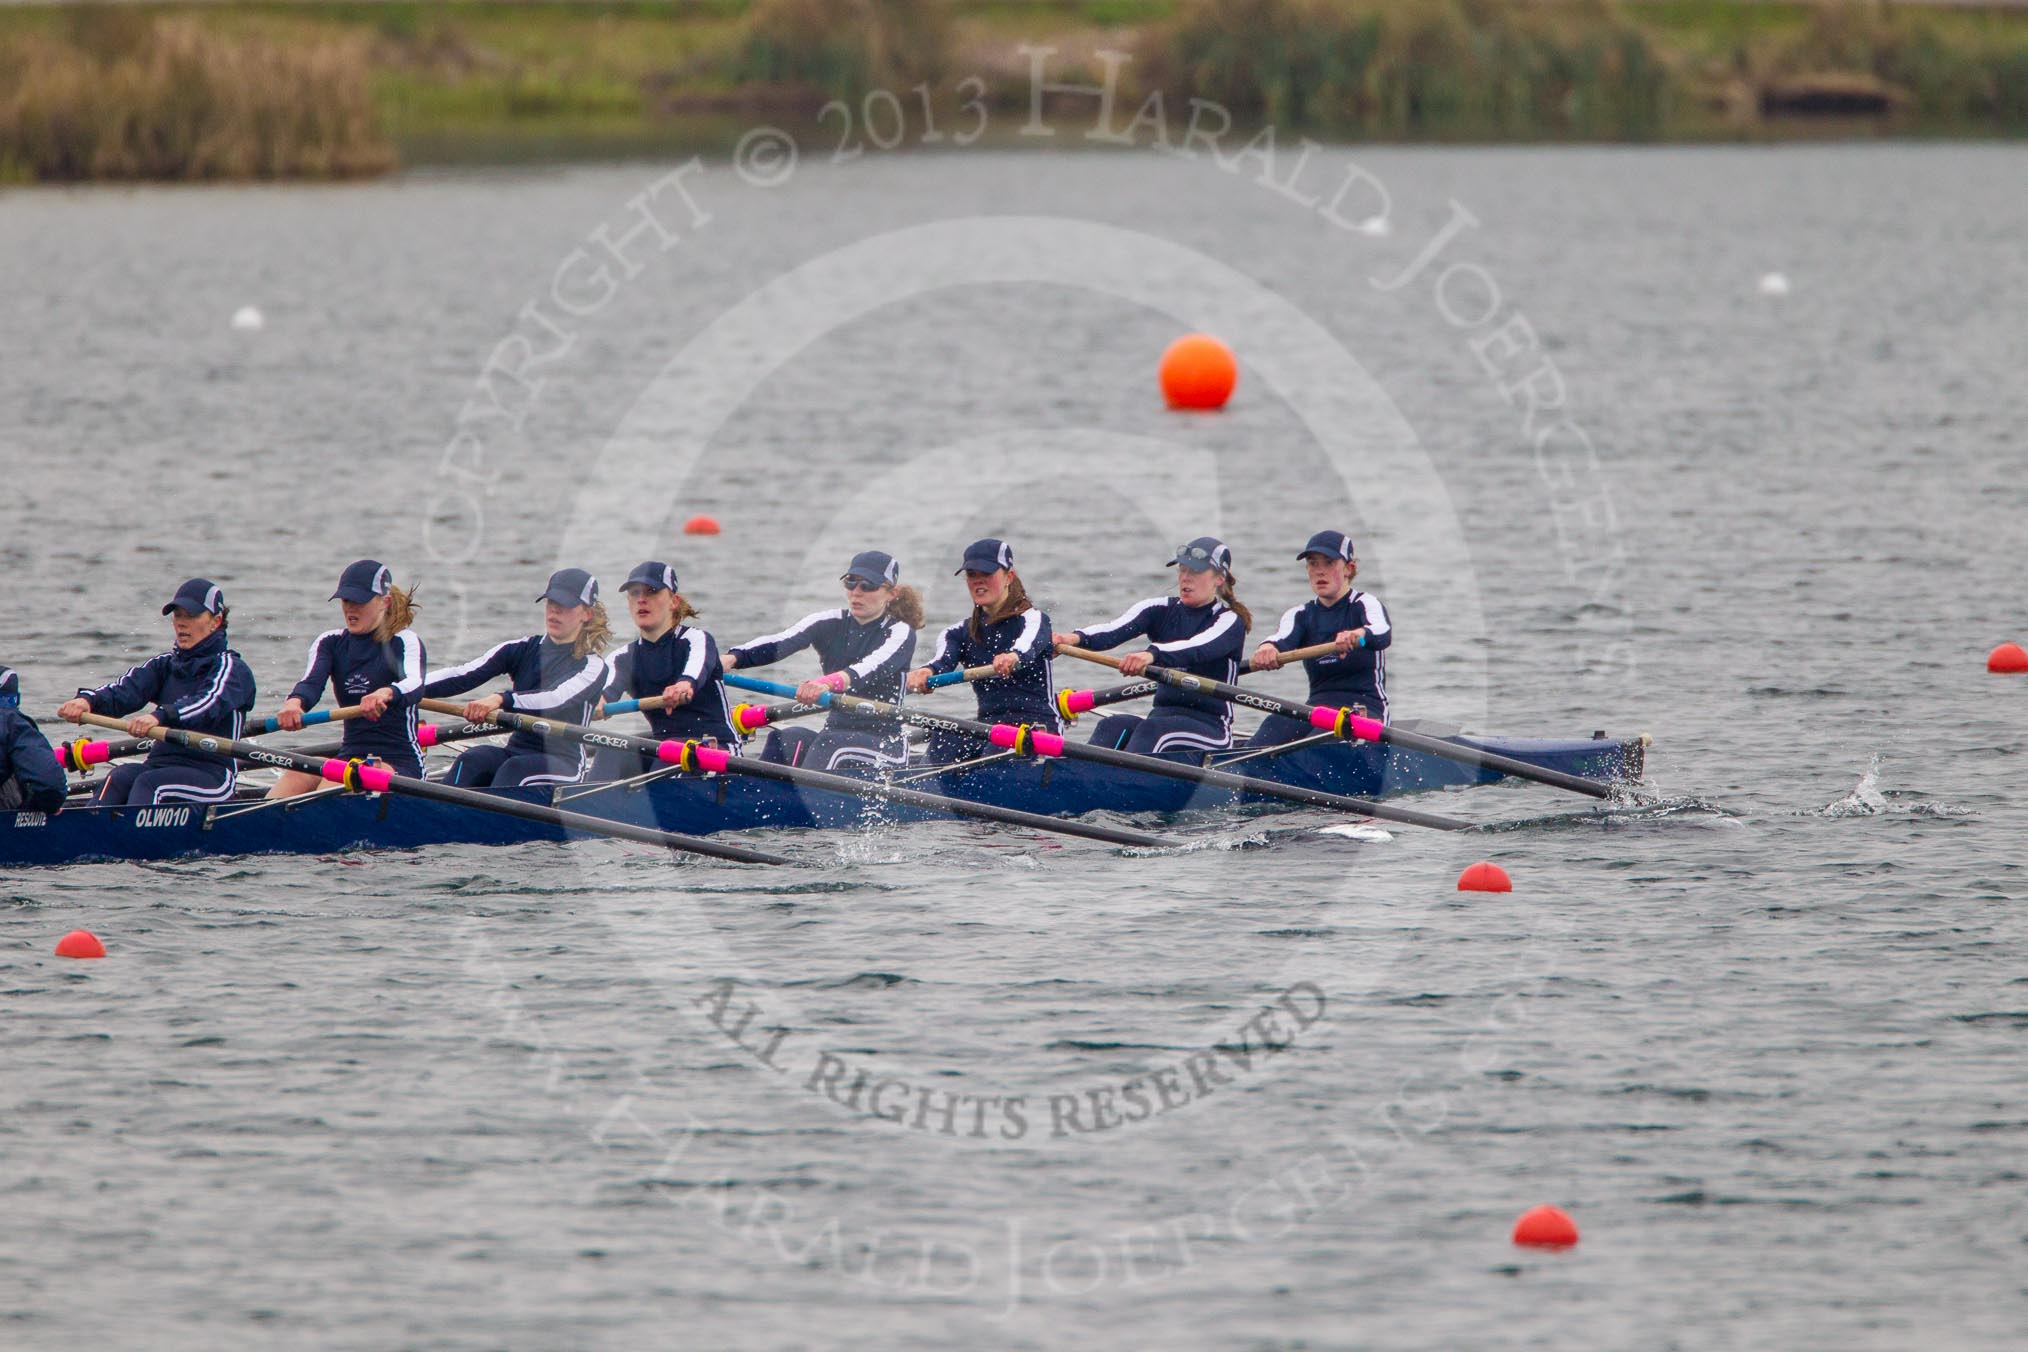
1545	1227
701	525
1485	877
2007	657
1198	372
80	944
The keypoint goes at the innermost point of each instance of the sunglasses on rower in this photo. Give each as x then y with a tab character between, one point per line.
860	584
1198	554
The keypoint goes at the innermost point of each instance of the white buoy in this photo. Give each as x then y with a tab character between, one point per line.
1375	227
247	319
1774	284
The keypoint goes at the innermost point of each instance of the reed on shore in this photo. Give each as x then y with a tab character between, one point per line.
1418	67
131	96
331	88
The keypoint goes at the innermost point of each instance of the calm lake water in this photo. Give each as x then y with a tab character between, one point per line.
1762	1036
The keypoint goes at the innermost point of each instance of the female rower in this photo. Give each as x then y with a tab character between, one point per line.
373	660
865	646
30	777
1201	630
200	685
675	660
1356	675
1006	631
557	674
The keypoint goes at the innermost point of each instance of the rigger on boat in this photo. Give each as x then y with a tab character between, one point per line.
563	774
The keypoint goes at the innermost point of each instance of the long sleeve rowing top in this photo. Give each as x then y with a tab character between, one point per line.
876	655
356	665
1028	696
206	687
30	778
1360	676
549	681
685	653
1203	640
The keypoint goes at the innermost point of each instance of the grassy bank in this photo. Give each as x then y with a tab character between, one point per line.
322	89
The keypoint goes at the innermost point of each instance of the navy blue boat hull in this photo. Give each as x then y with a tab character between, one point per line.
705	804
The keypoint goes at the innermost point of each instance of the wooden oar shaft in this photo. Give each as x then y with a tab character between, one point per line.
689	754
1050	744
1300	654
356	775
1350	725
273	722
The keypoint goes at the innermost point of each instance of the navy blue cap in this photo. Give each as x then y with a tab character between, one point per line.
1203	555
652	575
362	581
873	566
987	556
195	595
1332	544
10	686
571	587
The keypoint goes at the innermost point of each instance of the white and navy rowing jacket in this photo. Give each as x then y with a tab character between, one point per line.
1360	676
1203	640
648	667
356	665
549	680
206	687
876	655
1029	695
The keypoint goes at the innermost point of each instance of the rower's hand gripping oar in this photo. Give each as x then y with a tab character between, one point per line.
693	755
1350	726
364	778
1028	741
944	678
80	754
1071	703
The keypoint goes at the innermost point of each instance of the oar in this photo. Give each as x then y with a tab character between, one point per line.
938	680
776	712
1346	724
1071	703
1030	741
944	678
81	754
694	755
359	776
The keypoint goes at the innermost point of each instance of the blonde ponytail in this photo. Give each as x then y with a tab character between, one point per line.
596	632
399	616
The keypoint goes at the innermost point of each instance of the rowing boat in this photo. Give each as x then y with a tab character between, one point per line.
701	804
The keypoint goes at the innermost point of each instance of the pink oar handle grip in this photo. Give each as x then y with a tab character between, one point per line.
83	753
1079	701
371	777
1038	743
426	734
702	757
1347	724
750	716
